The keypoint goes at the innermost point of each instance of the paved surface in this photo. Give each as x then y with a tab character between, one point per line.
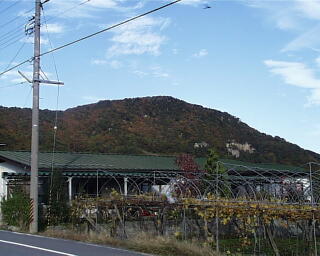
17	244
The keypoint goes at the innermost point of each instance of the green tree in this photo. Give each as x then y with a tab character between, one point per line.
16	209
216	175
57	199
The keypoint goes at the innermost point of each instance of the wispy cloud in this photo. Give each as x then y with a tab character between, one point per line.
139	73
193	2
154	71
79	9
90	98
99	62
14	77
201	53
309	39
297	74
157	71
300	16
310	8
89	9
30	40
318	61
139	37
54	28
102	62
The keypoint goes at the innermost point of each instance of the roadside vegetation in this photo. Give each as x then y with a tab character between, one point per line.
143	242
189	225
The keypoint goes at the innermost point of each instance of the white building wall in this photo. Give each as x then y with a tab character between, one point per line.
9	168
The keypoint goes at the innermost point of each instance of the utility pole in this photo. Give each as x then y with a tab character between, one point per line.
35	115
35	120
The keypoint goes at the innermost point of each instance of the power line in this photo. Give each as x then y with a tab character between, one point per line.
27	98
67	10
12	32
15	56
18	39
12	40
16	66
15	3
109	28
14	19
12	85
94	34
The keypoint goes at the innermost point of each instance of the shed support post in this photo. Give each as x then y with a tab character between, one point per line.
70	188
125	186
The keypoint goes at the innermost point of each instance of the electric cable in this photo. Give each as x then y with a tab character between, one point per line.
16	55
13	42
4	10
55	127
16	18
109	28
96	33
12	85
67	10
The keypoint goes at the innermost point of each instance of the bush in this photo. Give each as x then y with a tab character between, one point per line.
16	210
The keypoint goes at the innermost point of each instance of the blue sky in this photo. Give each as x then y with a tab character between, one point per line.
257	60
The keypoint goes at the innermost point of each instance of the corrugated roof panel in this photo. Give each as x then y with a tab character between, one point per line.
85	162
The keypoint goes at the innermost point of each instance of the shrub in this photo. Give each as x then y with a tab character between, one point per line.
16	210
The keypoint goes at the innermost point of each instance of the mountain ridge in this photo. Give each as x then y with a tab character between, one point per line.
149	125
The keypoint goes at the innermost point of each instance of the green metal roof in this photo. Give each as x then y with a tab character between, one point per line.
89	162
243	166
81	161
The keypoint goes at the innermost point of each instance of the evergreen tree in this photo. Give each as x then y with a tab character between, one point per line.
58	208
217	175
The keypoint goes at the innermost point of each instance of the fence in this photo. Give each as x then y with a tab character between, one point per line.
240	210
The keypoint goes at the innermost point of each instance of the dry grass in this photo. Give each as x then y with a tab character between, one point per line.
142	243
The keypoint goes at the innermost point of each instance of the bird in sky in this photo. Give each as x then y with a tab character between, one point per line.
206	6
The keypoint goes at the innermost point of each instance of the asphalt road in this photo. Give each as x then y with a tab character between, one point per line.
17	244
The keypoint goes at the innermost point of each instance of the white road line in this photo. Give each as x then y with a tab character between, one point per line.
37	248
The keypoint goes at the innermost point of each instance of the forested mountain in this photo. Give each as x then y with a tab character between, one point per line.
149	125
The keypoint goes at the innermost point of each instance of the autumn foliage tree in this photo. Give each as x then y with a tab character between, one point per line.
189	183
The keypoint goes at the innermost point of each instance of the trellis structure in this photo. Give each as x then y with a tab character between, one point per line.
257	204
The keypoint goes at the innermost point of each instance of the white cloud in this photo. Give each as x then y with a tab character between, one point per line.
300	16
309	39
140	73
81	9
103	3
154	71
283	14
113	64
30	40
297	74
14	77
175	51
309	8
99	62
287	14
194	2
89	98
318	61
201	53
157	71
139	37
54	28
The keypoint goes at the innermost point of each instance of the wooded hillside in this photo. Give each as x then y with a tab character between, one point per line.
149	125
